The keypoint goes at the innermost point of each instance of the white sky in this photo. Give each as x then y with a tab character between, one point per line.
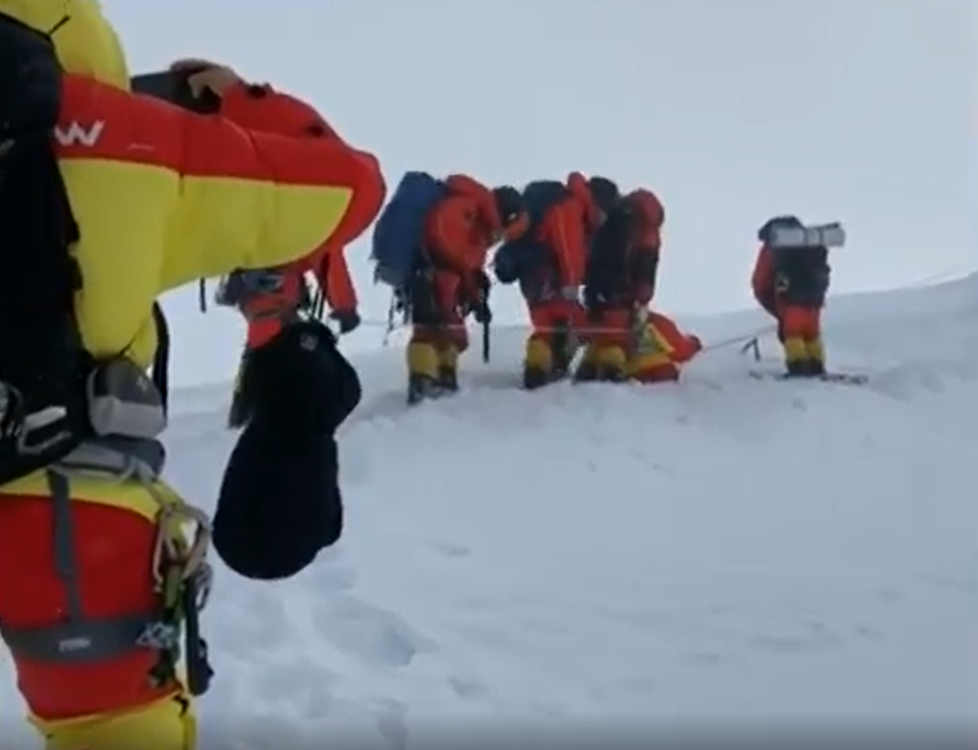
733	110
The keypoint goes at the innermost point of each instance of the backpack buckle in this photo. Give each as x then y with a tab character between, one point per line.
11	411
42	430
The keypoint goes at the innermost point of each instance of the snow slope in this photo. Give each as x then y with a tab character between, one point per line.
720	551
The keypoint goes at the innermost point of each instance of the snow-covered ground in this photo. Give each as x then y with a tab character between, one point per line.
723	550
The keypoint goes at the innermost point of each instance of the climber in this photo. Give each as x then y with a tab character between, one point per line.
660	349
548	260
431	245
129	200
619	284
790	281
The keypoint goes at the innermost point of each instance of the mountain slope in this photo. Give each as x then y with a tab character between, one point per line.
724	549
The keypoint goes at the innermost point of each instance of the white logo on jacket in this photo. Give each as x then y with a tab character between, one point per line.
77	135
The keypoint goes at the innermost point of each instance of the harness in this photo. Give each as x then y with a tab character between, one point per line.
181	574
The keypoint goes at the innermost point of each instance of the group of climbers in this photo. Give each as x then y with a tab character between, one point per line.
585	258
109	198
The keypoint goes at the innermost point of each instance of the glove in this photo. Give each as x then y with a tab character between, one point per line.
695	344
479	286
481	283
482	312
348	320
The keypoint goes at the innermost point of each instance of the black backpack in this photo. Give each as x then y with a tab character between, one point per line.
43	363
608	272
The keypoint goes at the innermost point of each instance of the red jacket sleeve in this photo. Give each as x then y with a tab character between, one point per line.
264	109
338	287
245	199
762	280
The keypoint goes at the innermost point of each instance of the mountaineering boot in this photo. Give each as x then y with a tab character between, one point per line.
422	387
448	379
587	370
562	352
538	363
816	357
796	360
448	368
612	364
534	377
422	360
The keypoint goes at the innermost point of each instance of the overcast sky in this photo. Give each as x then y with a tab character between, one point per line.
732	110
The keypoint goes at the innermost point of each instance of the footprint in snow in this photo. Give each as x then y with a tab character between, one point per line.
375	636
332	572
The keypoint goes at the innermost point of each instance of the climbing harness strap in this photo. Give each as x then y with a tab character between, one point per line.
179	566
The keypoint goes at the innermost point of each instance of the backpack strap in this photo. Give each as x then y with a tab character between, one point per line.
161	359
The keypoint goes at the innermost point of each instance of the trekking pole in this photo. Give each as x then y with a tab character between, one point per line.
390	320
754	345
202	295
485	340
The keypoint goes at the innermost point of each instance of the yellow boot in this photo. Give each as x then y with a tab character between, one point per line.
422	361
796	355
448	367
612	363
538	364
816	356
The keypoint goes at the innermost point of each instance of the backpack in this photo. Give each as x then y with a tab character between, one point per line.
608	271
801	258
398	237
519	259
41	360
50	388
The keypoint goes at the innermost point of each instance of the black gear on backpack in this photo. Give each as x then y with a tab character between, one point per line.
44	366
608	274
801	274
509	203
605	193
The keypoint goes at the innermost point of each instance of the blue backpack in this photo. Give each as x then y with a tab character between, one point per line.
517	259
398	244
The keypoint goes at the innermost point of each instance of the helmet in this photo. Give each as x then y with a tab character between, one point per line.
787	221
604	192
509	203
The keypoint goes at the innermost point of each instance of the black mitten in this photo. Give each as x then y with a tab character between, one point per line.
299	381
279	502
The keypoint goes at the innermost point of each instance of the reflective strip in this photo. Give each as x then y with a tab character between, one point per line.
78	641
119	457
82	639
